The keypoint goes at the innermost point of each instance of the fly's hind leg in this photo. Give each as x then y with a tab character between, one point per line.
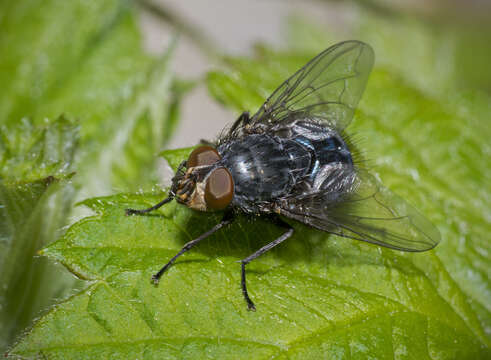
247	260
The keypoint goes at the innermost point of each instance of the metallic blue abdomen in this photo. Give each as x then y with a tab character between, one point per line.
326	151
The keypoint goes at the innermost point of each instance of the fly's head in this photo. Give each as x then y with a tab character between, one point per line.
204	185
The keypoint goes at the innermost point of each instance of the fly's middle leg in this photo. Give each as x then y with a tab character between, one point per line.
242	120
247	260
227	219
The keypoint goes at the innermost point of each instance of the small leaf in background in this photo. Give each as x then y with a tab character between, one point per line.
175	156
86	60
35	194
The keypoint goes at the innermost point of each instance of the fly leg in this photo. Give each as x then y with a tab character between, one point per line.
207	143
247	260
227	219
169	198
243	119
155	207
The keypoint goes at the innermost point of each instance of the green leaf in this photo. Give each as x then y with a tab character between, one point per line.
84	60
435	101
35	195
31	152
317	296
312	295
408	135
88	63
175	156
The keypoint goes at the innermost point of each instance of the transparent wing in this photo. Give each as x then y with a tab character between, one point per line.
372	213
327	88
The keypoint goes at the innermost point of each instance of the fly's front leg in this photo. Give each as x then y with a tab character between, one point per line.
247	260
169	198
227	219
207	143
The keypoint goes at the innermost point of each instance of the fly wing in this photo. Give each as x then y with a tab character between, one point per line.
327	88
370	213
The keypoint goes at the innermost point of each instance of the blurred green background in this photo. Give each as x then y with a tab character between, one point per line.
92	91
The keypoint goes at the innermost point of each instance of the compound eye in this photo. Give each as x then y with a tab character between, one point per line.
204	155
219	189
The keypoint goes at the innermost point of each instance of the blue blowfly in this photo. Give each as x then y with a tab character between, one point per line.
292	160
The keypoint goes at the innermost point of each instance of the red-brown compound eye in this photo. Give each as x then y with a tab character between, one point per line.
219	189
204	155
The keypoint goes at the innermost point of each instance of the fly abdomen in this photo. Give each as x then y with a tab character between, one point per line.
325	151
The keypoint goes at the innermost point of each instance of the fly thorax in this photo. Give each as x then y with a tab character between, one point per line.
260	167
